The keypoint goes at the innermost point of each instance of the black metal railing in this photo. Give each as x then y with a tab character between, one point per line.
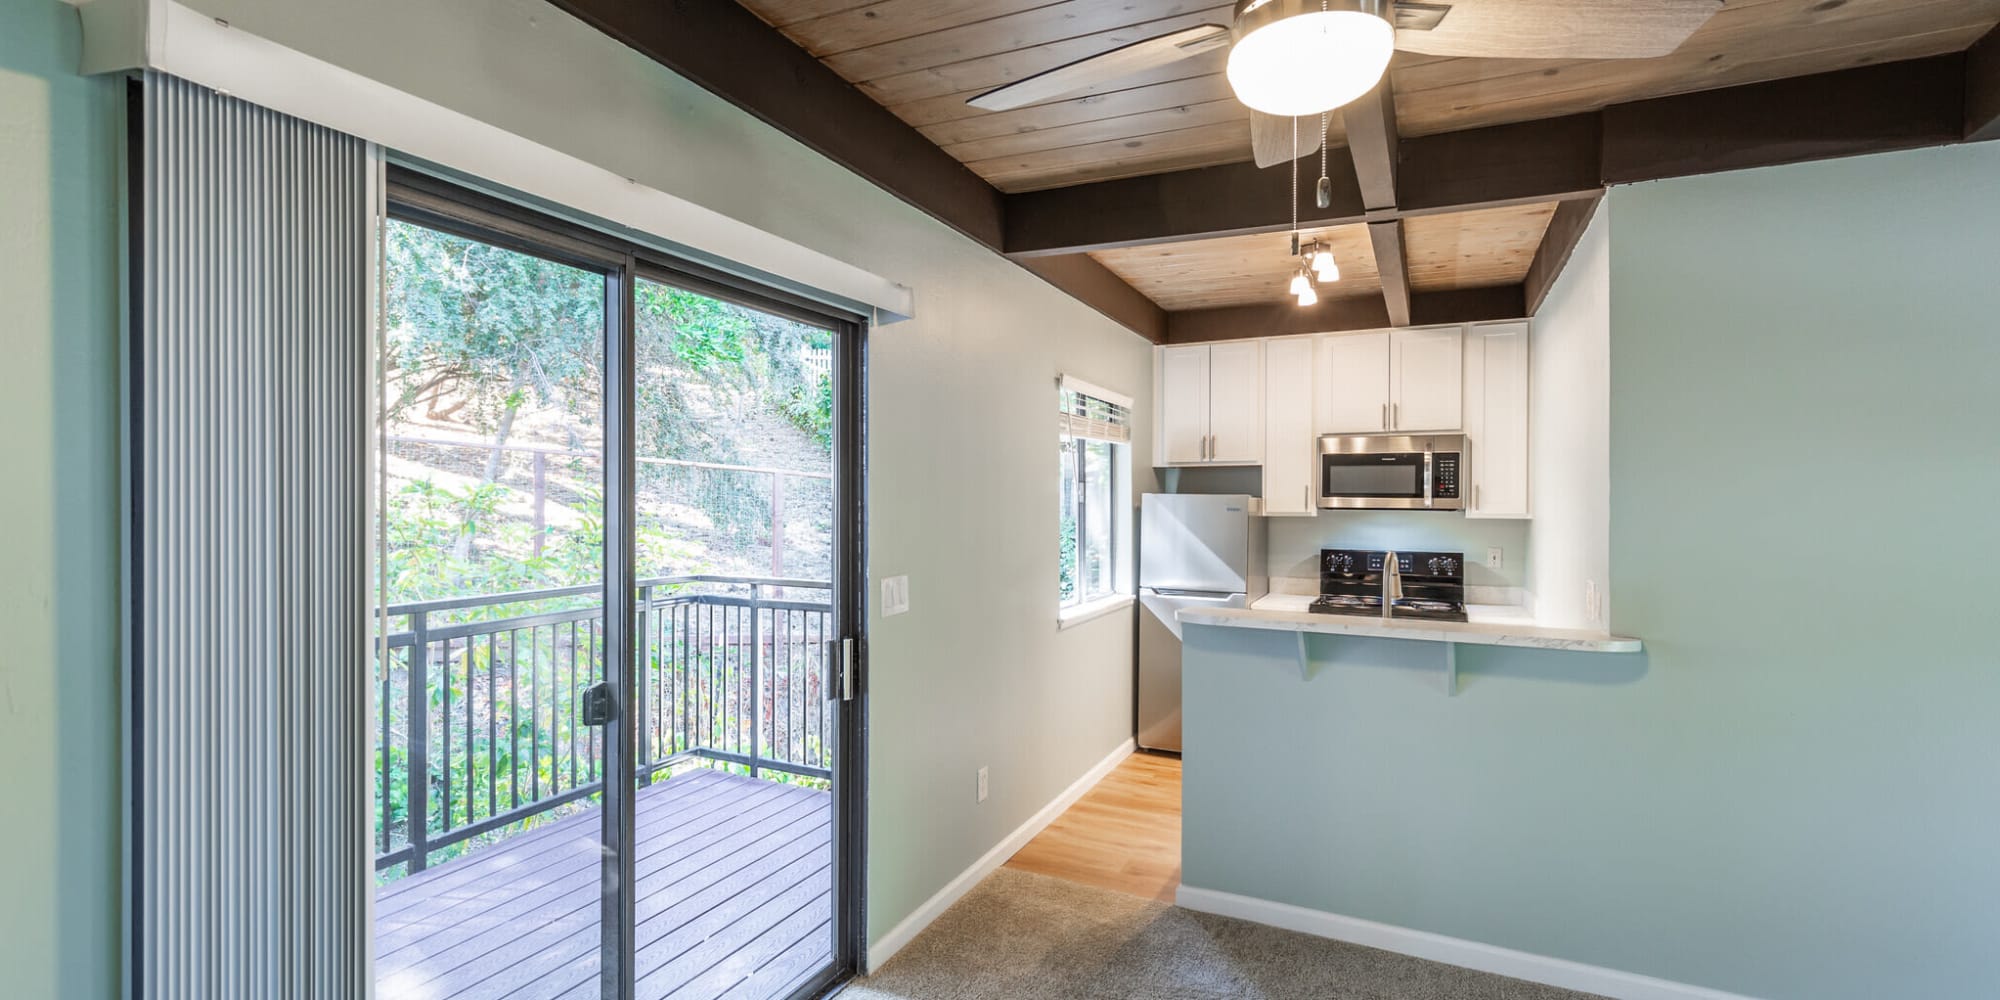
477	700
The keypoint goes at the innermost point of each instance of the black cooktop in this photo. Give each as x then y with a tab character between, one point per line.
1350	583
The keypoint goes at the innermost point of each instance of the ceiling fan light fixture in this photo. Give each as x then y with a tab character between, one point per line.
1300	283
1301	57
1308	297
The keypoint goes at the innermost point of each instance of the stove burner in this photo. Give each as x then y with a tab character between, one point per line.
1426	605
1433	585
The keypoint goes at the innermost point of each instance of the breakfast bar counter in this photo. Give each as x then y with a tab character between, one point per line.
1489	626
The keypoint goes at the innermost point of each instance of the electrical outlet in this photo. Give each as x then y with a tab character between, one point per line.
1495	558
895	595
982	784
1593	607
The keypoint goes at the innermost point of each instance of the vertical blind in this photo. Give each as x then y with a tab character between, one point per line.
1086	411
248	389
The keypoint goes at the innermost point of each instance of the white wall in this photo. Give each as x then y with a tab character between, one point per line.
1569	541
961	458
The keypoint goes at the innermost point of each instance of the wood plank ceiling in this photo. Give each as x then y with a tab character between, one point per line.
1484	249
922	59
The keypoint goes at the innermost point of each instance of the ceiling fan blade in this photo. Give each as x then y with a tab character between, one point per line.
1553	29
1271	138
1104	67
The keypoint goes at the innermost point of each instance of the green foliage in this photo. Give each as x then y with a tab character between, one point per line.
810	409
489	328
479	336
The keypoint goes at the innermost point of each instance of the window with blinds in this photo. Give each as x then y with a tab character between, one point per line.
1085	411
1094	433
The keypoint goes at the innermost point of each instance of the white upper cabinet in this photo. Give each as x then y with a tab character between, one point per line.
1236	403
1291	451
1391	380
1424	386
1210	404
1496	421
1183	405
1353	383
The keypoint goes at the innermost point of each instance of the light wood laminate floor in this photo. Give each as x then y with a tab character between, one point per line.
1123	835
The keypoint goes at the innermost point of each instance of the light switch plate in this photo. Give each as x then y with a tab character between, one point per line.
982	784
895	595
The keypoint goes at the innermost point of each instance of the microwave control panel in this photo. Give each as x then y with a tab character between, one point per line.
1446	482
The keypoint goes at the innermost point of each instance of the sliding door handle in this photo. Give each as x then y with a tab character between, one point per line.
840	669
599	707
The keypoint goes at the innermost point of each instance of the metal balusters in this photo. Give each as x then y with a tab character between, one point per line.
493	725
756	689
470	750
417	759
719	686
386	660
642	689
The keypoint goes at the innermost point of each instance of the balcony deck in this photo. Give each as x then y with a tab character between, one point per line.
735	900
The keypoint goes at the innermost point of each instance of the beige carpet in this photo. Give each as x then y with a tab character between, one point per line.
1024	935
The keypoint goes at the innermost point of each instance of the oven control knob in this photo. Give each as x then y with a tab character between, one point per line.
1450	566
1433	565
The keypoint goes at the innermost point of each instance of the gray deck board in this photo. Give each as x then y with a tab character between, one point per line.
734	896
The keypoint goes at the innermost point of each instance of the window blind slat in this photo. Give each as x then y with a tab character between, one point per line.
1086	411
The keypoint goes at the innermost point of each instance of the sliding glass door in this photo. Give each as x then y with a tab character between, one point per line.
491	492
646	795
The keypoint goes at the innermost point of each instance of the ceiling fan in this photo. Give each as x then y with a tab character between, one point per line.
1291	59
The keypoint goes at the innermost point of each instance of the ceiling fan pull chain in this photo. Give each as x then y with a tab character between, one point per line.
1295	186
1324	196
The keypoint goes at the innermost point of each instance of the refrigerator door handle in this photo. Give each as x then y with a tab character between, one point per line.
1192	595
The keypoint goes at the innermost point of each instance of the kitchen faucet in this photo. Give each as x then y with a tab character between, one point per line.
1392	584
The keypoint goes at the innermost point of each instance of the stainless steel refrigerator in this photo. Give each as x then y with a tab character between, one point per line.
1195	550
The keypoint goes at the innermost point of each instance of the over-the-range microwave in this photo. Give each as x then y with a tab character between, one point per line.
1390	471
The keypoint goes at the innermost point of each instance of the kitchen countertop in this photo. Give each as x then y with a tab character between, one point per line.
1491	625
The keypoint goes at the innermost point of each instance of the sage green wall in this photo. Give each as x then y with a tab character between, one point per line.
1792	793
59	590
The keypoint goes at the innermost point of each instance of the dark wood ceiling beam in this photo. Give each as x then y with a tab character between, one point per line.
1093	284
1372	143
1903	105
1368	312
1228	200
1982	89
1468	305
1872	109
1558	243
1393	265
1554	159
726	50
1542	161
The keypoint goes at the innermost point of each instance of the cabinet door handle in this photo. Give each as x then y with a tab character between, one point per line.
1395	415
1306	494
1385	416
1475	496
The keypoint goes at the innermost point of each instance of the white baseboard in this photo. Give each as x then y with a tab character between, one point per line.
882	950
1449	950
